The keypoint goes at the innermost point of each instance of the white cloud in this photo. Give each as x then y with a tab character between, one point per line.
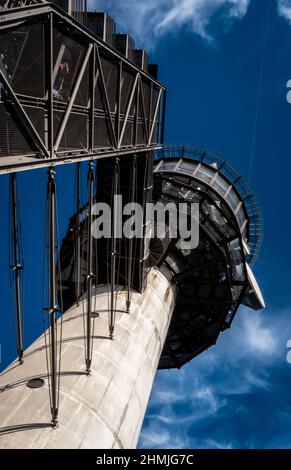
259	338
226	381
284	9
148	20
203	402
157	437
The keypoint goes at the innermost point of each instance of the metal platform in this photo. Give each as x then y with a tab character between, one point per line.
212	169
213	279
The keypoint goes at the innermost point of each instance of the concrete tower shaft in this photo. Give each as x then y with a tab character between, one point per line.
106	409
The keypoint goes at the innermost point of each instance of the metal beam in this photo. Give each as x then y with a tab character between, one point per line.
128	110
50	84
164	118
155	116
92	99
103	86
58	61
118	103
136	117
150	110
18	13
73	97
143	111
31	164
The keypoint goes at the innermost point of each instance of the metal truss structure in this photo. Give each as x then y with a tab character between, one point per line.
8	4
66	96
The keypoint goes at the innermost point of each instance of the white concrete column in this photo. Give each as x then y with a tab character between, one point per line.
106	409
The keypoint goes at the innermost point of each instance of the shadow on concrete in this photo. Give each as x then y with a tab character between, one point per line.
24	381
23	427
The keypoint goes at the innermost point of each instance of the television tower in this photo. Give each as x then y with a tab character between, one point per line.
117	309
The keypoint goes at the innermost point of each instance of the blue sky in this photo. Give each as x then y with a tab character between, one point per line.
226	65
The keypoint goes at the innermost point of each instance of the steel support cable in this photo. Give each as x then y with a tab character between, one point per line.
113	248
118	250
53	364
61	297
145	196
11	271
133	188
88	356
16	265
44	300
95	246
108	250
52	297
22	272
116	258
107	260
133	257
83	256
77	245
96	277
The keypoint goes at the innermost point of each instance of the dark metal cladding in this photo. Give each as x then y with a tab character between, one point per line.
102	25
125	45
76	8
102	247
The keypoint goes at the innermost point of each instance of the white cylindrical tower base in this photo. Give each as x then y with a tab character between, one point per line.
104	410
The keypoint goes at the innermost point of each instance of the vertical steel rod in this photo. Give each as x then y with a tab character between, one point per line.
78	244
89	268
17	266
164	117
52	296
113	248
130	241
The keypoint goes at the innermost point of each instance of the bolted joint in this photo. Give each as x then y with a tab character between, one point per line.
111	331
54	420
55	424
52	173
16	267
